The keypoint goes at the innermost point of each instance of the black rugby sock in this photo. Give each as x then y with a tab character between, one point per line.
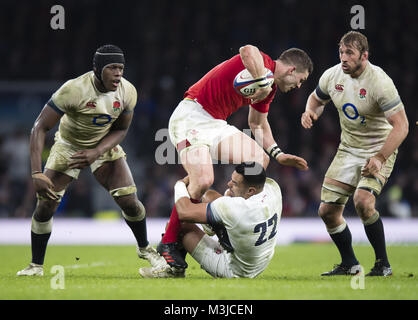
343	242
376	235
39	243
139	229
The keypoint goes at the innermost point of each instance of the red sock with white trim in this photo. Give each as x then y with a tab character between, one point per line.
173	227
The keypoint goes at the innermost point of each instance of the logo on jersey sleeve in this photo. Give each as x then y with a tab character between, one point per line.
116	106
362	93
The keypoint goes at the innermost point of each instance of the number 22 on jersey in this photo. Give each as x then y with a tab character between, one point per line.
262	228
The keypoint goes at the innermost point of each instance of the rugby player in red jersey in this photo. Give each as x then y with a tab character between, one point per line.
200	133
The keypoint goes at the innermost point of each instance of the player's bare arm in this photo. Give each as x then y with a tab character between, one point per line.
210	195
400	124
258	122
115	136
254	63
46	120
313	110
191	212
252	60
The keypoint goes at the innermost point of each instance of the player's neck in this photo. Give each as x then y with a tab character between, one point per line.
99	85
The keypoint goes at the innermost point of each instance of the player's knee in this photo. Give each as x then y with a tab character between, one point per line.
132	208
323	213
364	205
45	210
204	182
328	214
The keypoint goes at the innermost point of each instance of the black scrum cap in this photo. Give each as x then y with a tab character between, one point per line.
104	56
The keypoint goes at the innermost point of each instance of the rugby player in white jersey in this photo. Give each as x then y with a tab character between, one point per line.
94	112
245	221
374	124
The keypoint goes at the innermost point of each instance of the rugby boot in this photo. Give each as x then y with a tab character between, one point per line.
162	272
342	270
172	255
380	269
32	270
150	254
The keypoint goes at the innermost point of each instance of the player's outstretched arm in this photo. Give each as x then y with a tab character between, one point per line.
210	195
313	111
261	129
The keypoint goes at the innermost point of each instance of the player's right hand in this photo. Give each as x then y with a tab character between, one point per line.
260	94
44	186
307	119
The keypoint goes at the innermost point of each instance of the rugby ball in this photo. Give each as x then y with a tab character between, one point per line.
246	85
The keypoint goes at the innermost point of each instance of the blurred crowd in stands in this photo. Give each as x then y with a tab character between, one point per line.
168	46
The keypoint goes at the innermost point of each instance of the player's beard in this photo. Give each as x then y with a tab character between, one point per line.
352	71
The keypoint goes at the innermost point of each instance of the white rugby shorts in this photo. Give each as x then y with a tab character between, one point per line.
347	164
213	258
61	152
191	126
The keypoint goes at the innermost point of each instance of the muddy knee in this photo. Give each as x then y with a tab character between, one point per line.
45	210
364	203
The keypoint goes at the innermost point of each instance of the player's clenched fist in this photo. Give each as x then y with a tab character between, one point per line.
307	119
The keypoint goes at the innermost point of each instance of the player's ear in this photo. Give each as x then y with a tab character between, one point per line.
251	191
365	55
291	70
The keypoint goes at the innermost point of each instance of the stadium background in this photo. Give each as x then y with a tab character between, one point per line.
168	46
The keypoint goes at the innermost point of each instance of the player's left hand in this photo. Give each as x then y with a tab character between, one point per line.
372	167
84	158
293	161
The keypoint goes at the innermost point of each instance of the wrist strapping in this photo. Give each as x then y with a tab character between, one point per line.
274	150
180	191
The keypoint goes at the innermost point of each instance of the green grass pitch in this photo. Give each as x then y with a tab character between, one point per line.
111	272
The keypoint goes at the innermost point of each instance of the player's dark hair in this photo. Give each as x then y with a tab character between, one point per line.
253	173
355	39
298	58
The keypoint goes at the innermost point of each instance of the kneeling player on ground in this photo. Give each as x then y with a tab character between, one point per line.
245	221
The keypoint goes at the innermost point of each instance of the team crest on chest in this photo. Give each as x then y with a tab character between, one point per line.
116	106
362	93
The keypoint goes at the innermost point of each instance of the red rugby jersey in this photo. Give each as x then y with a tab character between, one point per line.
216	93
